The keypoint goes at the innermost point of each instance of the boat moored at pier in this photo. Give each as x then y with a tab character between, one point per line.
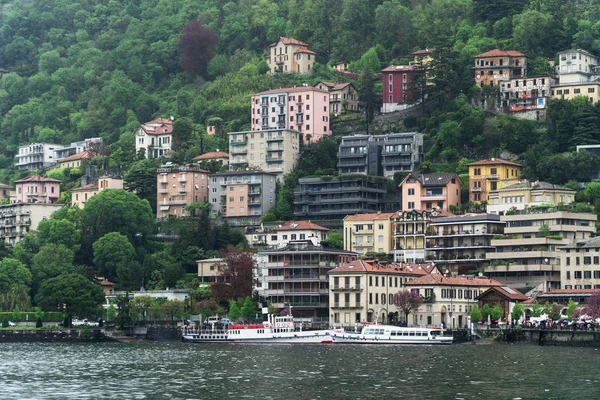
389	334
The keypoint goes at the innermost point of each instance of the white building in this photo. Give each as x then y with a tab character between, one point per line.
280	236
155	138
36	156
16	220
576	66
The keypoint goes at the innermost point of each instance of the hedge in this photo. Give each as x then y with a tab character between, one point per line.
49	316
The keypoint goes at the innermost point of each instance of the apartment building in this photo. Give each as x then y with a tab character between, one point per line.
578	71
17	219
80	195
179	186
242	197
275	151
368	233
36	156
76	160
343	97
296	276
217	156
526	194
290	56
94	144
304	109
154	138
36	189
380	154
363	291
335	198
282	235
402	86
448	300
526	94
490	175
460	244
430	191
496	65
527	256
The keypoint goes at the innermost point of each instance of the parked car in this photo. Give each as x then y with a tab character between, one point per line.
226	321
11	323
212	320
83	322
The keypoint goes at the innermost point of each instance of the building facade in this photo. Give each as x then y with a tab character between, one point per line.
403	86
368	233
155	138
409	229
290	56
335	198
275	151
282	235
580	265
37	156
430	191
523	195
489	175
80	195
527	256
296	275
461	244
343	97
17	219
304	109
217	156
243	197
179	186
76	160
36	189
577	66
94	144
363	291
496	65
526	94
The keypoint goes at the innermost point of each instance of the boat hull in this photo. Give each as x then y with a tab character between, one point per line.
358	339
306	337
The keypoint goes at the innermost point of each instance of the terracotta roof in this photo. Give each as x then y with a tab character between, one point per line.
421	52
307	51
4	186
368	217
288	41
537	186
301	226
441	280
494	161
501	53
335	86
36	178
292	90
159	126
365	266
509	293
85	188
402	68
433	179
211	155
107	283
83	155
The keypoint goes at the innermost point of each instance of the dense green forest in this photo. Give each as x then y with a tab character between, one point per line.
85	68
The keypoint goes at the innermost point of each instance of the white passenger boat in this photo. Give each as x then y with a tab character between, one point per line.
281	330
389	334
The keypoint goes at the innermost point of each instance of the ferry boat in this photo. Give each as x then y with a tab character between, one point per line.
389	334
279	330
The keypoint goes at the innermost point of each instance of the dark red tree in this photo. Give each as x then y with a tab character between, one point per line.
236	275
198	47
592	305
407	301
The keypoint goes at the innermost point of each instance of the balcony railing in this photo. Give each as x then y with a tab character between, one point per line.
492	176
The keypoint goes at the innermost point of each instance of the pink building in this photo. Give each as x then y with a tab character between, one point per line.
36	189
304	109
430	191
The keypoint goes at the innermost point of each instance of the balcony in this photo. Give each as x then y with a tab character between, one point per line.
238	142
182	190
177	202
254	192
347	289
235	151
276	138
274	160
477	189
163	191
492	177
183	179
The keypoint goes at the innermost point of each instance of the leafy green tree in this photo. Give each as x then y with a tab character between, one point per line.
571	306
517	312
475	314
366	95
111	312
234	310
15	271
59	232
335	239
486	311
16	314
51	261
141	180
497	312
248	310
537	309
123	303
111	251
141	306
72	293
173	309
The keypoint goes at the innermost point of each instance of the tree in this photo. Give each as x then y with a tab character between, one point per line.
334	239
16	314
112	251
15	271
248	309
592	305
553	311
497	312
407	301
141	306
59	231
141	180
111	312
197	44
517	312
537	309
486	311
234	310
173	309
571	306
71	293
236	274
124	305
51	261
475	314
366	94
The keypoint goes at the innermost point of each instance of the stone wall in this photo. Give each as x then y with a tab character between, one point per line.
47	335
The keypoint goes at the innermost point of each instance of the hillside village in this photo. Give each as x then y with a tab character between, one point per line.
516	234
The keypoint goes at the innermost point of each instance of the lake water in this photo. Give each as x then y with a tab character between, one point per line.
228	371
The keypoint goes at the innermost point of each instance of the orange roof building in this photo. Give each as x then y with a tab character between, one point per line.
75	160
290	56
495	65
219	156
368	233
154	138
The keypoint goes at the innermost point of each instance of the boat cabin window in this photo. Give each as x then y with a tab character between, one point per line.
435	333
411	333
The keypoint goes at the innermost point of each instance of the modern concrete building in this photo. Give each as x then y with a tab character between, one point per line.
155	138
489	175
37	156
208	269
496	65
304	109
80	195
275	151
296	275
343	97
430	191
94	144
368	233
577	66
17	219
335	198
580	265
290	56
242	197
527	255
363	291
179	186
523	195
448	300
282	235
36	189
461	244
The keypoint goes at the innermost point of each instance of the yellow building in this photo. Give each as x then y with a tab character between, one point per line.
80	195
522	195
495	65
365	233
490	175
591	90
290	56
75	160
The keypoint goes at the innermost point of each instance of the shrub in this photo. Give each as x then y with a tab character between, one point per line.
39	323
5	323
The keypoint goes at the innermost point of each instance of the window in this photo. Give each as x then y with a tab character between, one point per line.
587	274
411	192
411	204
577	274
